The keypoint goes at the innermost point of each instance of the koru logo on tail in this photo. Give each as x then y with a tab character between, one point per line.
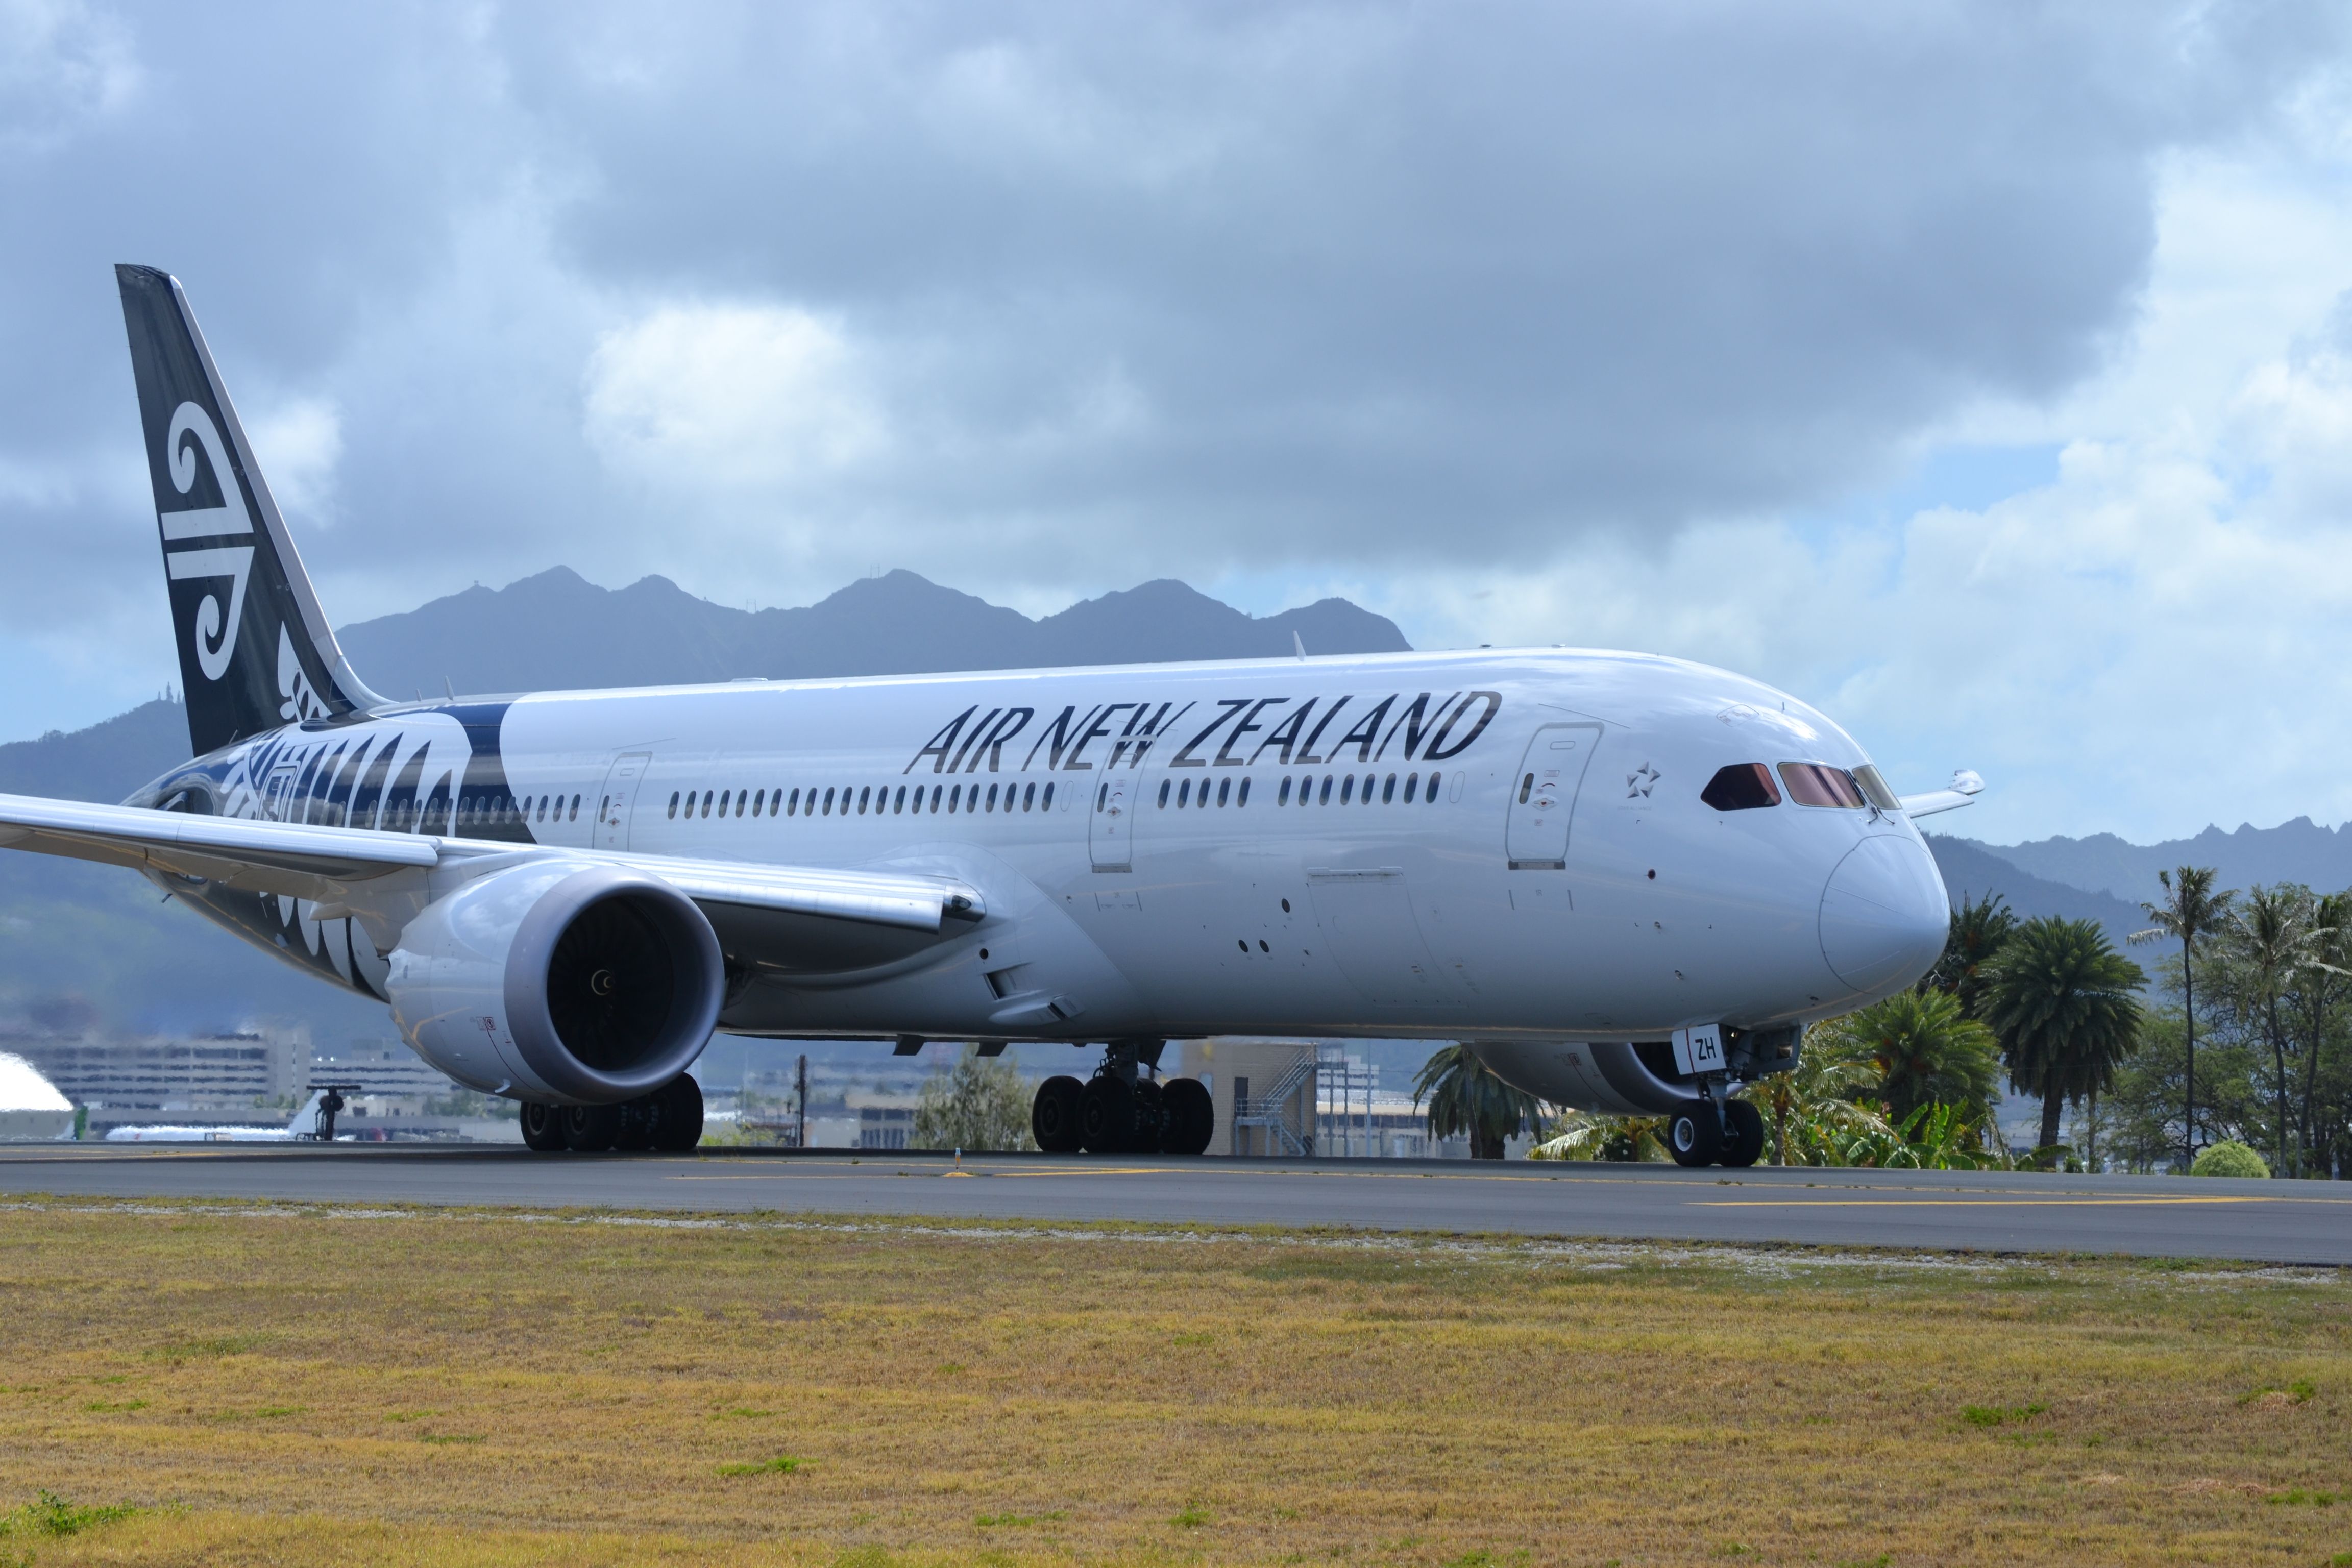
197	534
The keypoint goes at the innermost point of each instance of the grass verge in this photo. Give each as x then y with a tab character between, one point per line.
234	1384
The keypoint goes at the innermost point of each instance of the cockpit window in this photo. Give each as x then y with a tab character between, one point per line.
1742	786
1875	790
1818	784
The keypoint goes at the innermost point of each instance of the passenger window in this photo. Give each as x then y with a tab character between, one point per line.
1224	789
724	797
1324	798
1411	787
954	794
898	802
1045	801
1164	787
1818	784
793	807
935	797
740	799
1525	785
1432	796
1742	786
1102	795
861	799
1282	795
1184	794
575	808
1387	790
828	801
673	803
759	803
1347	789
1242	798
1029	798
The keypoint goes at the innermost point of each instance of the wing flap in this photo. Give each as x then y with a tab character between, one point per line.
307	861
257	855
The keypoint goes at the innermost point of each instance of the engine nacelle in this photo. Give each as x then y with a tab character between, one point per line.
1626	1078
566	982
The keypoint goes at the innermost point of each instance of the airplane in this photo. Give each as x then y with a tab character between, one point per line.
1625	882
313	1123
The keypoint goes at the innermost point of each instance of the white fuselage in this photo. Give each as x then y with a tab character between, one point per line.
1565	884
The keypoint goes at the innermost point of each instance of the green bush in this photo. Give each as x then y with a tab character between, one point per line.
2228	1160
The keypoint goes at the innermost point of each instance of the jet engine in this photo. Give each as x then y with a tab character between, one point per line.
567	983
1635	1078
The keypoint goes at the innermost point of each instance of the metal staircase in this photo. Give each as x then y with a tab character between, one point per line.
1269	1112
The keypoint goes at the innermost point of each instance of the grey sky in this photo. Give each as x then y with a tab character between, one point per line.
1491	315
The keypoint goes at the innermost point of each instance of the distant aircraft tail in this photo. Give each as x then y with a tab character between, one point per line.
255	651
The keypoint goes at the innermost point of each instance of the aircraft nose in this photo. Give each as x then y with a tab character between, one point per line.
1884	914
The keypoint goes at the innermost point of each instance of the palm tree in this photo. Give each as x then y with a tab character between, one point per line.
1928	1052
2061	1000
2190	908
2332	917
1465	1096
1815	1097
2277	938
1979	926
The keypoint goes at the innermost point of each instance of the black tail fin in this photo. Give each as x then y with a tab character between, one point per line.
255	651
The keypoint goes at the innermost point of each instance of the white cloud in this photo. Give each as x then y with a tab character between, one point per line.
299	444
62	65
695	397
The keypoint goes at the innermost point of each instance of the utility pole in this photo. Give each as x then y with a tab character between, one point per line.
800	1135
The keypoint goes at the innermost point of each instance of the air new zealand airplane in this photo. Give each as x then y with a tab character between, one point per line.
1624	882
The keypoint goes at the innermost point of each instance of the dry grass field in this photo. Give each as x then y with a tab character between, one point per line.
268	1385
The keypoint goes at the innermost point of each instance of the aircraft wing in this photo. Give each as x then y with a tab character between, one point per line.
332	865
1962	791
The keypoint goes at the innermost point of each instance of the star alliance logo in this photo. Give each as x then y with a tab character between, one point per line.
1639	781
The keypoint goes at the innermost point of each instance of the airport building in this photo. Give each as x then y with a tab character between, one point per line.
198	1080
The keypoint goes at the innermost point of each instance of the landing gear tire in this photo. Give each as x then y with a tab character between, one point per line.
1054	1115
1743	1134
633	1124
1190	1116
1695	1132
673	1122
542	1127
591	1129
1107	1116
1150	1118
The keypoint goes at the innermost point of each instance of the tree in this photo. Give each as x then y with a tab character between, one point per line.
1465	1097
2324	988
2061	1000
1814	1101
2189	911
1979	926
1928	1052
979	1103
2277	940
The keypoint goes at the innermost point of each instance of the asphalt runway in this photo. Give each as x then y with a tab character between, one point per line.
2271	1221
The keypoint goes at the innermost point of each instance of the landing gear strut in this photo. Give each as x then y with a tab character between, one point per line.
1123	1109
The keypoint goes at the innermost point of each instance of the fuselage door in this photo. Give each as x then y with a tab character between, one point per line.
622	786
1543	796
1111	831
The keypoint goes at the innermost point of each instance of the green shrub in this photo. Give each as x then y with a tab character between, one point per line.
2228	1160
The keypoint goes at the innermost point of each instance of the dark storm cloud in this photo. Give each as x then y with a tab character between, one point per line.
1370	283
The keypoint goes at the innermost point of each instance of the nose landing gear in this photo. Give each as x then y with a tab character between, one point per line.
1716	1131
1123	1109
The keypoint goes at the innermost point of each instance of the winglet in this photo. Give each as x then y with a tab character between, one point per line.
1962	791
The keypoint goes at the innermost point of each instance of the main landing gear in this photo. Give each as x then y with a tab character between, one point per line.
668	1120
1716	1131
1123	1109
